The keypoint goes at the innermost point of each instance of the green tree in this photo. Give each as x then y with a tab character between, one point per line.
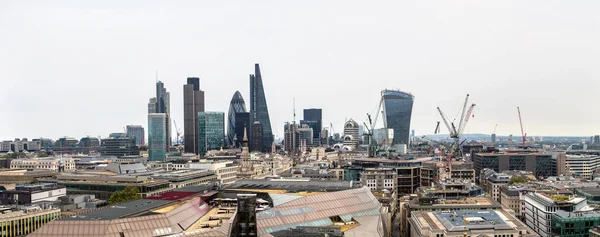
128	194
517	180
42	155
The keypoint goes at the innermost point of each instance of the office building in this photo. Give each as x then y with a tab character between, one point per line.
582	165
65	145
467	223
161	105
539	208
290	136
193	103
574	224
211	131
119	146
491	182
258	108
314	119
137	132
236	106
541	164
379	178
305	136
397	111
50	163
257	139
157	137
513	198
351	137
23	220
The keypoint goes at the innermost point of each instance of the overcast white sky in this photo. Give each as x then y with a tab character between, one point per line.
76	68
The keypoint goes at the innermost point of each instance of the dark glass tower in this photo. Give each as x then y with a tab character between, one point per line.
237	105
241	123
258	108
397	110
193	102
314	119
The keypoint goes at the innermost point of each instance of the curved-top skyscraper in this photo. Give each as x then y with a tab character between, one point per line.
397	110
258	107
237	105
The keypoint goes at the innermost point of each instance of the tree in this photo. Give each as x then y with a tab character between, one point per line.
517	180
128	194
42	155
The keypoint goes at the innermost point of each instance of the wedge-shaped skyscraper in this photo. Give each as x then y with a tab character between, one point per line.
258	108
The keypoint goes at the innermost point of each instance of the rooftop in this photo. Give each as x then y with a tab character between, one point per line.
122	210
578	214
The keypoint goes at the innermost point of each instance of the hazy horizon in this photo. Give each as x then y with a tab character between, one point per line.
72	68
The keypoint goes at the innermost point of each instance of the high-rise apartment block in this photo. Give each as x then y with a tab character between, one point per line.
137	132
193	102
397	110
211	131
236	106
157	137
258	108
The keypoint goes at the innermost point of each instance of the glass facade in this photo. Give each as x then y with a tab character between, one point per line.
314	119
211	131
137	132
241	122
157	137
575	225
397	110
26	224
258	107
237	105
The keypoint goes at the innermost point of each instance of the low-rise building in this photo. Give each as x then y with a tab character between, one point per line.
54	164
467	223
513	198
379	178
32	194
226	171
539	208
23	220
102	186
574	224
492	181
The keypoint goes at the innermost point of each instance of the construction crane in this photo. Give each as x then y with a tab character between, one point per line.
523	134
456	132
437	128
493	140
177	140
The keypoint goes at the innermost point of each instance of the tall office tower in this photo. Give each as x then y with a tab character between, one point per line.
241	126
211	131
236	106
157	137
137	131
314	119
161	104
193	102
397	110
290	137
258	108
305	135
257	139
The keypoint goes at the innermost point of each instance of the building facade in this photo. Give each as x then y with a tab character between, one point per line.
539	208
119	146
193	102
242	122
397	111
157	137
257	139
161	104
24	220
542	165
258	108
211	131
378	179
236	106
137	132
53	164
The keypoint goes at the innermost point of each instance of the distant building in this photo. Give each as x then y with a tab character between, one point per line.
397	111
161	105
50	163
290	137
236	106
65	145
542	165
257	139
314	119
242	122
351	137
379	178
246	169
258	108
193	102
305	135
583	166
211	131
492	182
137	132
157	137
88	145
119	146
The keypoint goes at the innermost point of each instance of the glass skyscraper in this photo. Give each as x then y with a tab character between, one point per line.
258	108
397	110
157	137
237	105
211	131
314	119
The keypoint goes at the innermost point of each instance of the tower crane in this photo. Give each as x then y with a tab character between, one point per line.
523	134
457	132
177	140
437	128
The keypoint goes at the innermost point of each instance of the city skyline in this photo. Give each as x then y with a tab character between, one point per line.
81	60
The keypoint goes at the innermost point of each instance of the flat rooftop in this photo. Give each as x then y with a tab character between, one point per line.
122	210
291	185
459	219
